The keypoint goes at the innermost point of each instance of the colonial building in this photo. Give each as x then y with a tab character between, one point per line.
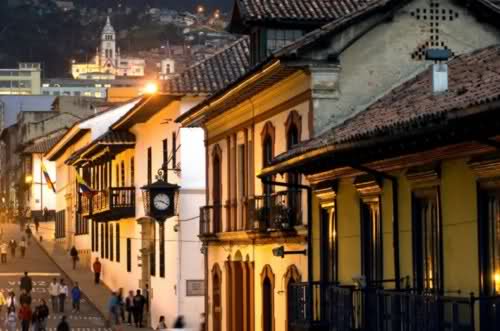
70	227
108	59
406	194
303	82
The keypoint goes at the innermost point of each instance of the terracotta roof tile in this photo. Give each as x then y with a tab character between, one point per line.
299	10
214	73
42	146
474	79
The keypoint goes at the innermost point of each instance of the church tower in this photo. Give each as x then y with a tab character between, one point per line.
108	56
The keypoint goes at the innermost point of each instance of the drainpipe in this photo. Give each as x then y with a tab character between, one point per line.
395	217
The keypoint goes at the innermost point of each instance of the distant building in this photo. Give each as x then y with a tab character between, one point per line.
108	60
167	68
23	80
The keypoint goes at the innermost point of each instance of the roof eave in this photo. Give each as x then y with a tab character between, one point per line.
192	117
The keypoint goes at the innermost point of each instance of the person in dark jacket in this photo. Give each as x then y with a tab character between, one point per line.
25	298
179	322
63	325
26	283
74	256
129	306
139	304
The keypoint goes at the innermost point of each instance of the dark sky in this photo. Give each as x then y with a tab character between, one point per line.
224	5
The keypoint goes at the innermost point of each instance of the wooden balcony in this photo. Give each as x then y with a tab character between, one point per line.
111	204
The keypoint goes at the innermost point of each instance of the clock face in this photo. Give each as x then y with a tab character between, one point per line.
161	201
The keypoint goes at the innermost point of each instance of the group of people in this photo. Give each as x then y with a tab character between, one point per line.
22	310
12	245
134	305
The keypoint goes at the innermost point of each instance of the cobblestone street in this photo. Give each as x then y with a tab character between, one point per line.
42	270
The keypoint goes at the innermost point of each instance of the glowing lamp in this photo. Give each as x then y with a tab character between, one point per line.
150	88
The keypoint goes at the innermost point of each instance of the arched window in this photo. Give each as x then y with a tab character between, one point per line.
216	298
217	188
267	281
293	130
268	138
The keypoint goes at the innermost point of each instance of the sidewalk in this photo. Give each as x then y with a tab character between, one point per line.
97	295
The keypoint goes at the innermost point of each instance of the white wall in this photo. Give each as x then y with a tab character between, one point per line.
41	195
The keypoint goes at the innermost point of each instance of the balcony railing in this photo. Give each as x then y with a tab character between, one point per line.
112	203
85	205
211	220
278	211
321	306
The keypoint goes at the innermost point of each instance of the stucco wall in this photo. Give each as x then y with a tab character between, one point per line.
381	59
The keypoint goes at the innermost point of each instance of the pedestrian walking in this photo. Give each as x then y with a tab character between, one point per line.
162	326
4	247
25	315
63	325
25	298
113	307
35	319
28	233
3	301
22	246
26	283
11	319
74	256
63	293
54	294
139	303
76	296
13	246
43	314
11	301
121	304
129	306
37	223
97	270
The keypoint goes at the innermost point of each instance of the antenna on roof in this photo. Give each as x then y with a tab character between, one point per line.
439	68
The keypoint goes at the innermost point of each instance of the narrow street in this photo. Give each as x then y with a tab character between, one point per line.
42	270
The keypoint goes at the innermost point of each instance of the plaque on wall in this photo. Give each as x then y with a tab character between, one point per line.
195	288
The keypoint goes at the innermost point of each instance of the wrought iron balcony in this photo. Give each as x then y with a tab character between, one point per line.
322	306
278	211
211	220
113	203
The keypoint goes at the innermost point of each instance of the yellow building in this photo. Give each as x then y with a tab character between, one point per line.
406	195
312	71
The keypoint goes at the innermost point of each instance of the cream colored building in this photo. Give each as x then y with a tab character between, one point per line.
108	60
25	80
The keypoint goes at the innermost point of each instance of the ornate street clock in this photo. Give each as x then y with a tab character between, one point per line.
160	198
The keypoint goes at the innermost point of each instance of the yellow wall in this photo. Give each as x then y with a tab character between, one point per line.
457	185
119	94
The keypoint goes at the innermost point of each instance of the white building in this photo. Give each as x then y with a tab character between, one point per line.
24	80
108	59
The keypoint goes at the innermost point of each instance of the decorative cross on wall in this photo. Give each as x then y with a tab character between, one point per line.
434	16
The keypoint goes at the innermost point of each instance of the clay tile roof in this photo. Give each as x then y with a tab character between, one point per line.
214	73
298	10
474	79
115	137
42	146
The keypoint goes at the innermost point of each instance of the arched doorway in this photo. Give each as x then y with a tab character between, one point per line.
216	298
292	276
267	281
